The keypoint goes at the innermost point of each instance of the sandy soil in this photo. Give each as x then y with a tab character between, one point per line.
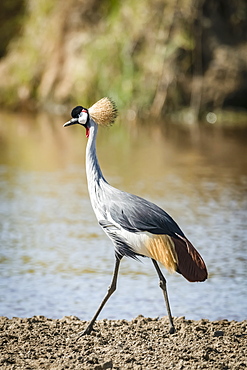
143	343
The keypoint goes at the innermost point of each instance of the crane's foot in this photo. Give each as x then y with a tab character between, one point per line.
87	331
172	330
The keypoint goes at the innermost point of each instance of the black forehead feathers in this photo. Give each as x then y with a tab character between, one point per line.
76	111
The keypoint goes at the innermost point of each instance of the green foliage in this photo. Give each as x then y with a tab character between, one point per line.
150	56
11	15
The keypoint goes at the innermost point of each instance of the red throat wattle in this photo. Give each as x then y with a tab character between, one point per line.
87	132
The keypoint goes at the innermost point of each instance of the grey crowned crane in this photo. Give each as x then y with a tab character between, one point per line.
136	226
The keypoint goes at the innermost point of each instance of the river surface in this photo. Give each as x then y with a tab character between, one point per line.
56	261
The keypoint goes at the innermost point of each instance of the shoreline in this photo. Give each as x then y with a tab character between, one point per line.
142	343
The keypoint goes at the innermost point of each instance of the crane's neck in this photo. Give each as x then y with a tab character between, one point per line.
93	171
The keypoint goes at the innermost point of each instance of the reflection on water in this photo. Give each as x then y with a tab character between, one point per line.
56	261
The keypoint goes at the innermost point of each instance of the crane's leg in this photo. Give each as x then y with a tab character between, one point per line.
111	290
163	287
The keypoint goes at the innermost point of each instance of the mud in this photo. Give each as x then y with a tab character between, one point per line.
143	343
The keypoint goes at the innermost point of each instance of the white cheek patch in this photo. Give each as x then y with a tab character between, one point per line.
83	118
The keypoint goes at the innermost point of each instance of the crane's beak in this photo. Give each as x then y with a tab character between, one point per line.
73	121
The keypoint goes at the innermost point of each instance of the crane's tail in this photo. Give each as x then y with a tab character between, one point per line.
190	264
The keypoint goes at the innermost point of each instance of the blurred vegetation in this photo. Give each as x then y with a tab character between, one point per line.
157	57
11	18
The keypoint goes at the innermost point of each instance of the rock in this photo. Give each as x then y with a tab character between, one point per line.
107	365
218	333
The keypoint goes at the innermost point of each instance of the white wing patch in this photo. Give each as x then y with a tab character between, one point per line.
159	247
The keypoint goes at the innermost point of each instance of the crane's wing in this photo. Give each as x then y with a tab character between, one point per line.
136	214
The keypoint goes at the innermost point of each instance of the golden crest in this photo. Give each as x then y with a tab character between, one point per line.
103	112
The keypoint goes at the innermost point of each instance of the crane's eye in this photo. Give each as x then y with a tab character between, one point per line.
82	119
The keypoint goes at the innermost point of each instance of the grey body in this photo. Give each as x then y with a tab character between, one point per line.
116	209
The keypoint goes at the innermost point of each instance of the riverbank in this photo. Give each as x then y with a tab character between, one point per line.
143	343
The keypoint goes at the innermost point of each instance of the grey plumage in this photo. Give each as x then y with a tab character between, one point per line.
133	214
137	214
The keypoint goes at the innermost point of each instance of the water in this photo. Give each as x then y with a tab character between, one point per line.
56	261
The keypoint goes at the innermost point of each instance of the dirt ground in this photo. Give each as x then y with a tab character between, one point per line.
143	343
